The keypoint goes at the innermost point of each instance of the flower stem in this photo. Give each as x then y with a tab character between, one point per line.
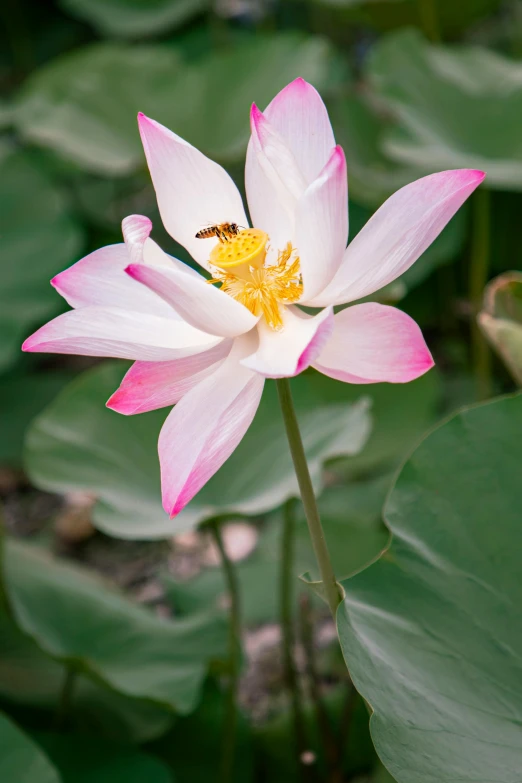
307	495
64	704
478	277
231	715
287	626
321	715
429	20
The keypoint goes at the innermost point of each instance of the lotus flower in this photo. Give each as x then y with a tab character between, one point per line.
207	346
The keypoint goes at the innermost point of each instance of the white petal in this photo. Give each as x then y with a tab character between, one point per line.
399	232
205	427
288	352
120	334
321	231
201	304
100	279
273	182
191	189
136	230
299	115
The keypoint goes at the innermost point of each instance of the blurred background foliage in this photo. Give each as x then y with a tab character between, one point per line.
413	87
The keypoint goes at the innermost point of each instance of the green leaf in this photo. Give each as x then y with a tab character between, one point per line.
453	18
431	631
22	397
134	18
22	761
193	748
359	129
79	444
351	517
80	621
457	107
84	104
31	678
501	320
83	759
401	413
39	238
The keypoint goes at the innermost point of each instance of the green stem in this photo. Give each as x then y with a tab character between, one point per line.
287	626
328	739
64	704
231	715
478	277
429	20
307	495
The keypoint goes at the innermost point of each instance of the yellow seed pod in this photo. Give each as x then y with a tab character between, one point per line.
247	249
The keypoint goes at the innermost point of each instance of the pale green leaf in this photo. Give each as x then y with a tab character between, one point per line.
431	631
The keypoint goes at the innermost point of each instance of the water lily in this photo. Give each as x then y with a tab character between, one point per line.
207	346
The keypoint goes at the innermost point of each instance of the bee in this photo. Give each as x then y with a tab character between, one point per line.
223	231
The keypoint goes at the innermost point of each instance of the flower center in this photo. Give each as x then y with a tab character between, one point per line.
239	265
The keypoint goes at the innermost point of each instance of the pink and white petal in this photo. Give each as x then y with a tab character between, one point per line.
299	115
399	232
288	352
321	230
273	181
372	343
99	279
202	305
205	427
151	385
191	189
120	334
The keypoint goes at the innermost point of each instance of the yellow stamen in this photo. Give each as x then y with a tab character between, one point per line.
262	289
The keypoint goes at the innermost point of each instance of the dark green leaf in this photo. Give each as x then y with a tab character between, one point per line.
39	238
452	18
22	397
194	747
82	759
134	18
30	678
276	738
431	631
22	761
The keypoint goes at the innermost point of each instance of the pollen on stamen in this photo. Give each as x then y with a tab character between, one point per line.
264	290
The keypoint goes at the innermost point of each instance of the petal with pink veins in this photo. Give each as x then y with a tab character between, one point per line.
205	427
120	334
151	385
200	304
191	189
372	343
321	230
299	115
399	232
285	353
